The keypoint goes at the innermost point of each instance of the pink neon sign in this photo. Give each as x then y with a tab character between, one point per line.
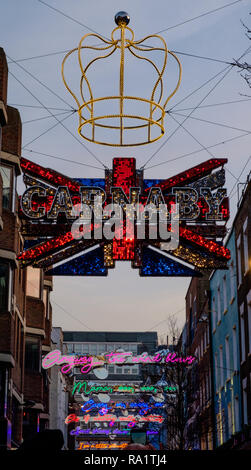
88	362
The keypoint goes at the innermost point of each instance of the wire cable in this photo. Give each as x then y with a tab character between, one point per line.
214	104
199	16
38	107
41	83
47	130
211	122
71	18
193	137
45	117
241	173
227	71
63	159
47	109
72	316
197	151
166	319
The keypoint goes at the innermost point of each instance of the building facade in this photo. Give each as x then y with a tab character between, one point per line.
59	388
25	309
91	433
242	226
199	427
225	347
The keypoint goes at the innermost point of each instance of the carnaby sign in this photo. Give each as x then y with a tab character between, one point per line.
125	217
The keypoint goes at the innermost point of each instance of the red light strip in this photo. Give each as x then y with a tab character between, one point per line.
213	247
191	175
124	176
49	175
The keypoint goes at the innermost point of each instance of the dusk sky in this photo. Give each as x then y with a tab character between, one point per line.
124	301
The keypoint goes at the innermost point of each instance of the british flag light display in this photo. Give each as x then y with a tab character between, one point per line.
46	211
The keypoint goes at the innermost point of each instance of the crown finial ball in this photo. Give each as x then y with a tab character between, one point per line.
122	17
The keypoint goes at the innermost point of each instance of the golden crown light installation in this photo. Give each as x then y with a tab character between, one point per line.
127	116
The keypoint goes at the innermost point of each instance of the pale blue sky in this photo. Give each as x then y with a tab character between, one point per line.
124	301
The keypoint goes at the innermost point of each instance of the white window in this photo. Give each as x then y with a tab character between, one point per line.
214	314
249	318
245	245
225	292
239	259
221	367
232	279
243	342
218	303
227	357
235	348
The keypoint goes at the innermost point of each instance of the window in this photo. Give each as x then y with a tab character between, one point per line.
216	371
245	402
249	318
33	282
236	414
32	354
243	339
232	276
78	348
227	357
239	259
69	347
235	348
245	245
93	348
214	314
6	280
221	367
85	348
111	369
218	303
225	293
46	300
101	348
7	177
230	421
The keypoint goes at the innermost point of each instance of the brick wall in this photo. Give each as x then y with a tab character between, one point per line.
12	132
35	313
3	76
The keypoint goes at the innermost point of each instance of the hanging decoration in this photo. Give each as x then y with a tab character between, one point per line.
47	211
112	119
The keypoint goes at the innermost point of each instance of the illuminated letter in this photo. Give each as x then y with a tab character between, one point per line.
213	201
187	198
26	201
61	203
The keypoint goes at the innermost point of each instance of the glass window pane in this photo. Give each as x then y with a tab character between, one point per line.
6	174
78	348
101	348
33	282
85	348
4	285
93	348
110	347
69	347
111	369
32	354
